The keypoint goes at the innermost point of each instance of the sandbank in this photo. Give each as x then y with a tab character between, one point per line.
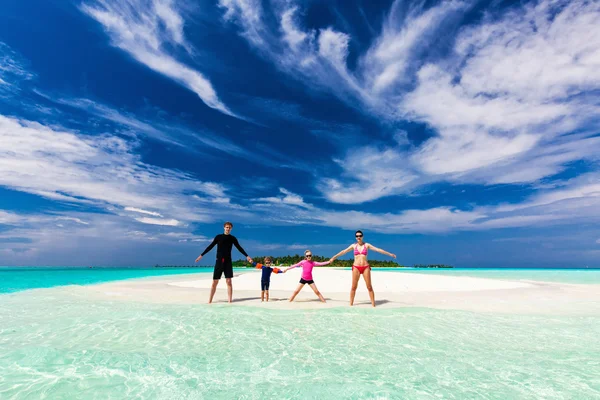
392	290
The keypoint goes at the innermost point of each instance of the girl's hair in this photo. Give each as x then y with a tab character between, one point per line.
267	258
228	223
359	231
307	251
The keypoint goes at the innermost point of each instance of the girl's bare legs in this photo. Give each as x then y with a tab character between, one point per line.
298	289
367	276
355	278
319	295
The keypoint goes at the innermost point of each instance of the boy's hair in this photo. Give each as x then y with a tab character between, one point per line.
228	223
268	259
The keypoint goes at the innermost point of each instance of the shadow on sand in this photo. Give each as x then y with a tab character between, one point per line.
377	302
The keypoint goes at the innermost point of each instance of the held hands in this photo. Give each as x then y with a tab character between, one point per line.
249	259
393	255
198	259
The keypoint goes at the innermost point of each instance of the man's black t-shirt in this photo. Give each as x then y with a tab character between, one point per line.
224	245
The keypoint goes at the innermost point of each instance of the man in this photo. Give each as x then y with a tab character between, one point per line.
224	243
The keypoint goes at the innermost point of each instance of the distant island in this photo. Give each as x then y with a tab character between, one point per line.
290	260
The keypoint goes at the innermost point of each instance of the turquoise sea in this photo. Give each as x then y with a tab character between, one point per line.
56	344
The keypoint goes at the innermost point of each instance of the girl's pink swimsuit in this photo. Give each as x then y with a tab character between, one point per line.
307	267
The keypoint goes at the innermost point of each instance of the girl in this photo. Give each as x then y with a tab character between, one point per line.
307	266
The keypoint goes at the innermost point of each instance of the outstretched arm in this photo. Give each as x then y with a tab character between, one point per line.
237	246
293	266
318	264
209	248
371	247
257	265
341	253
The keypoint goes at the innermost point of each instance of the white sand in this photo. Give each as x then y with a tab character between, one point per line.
392	289
330	280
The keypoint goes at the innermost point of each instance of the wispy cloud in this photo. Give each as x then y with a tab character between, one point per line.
102	170
172	133
146	31
513	102
139	210
158	221
13	71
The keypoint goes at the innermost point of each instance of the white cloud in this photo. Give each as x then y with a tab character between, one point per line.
334	47
158	221
139	210
405	35
9	218
504	104
12	71
145	33
102	170
73	219
371	173
288	198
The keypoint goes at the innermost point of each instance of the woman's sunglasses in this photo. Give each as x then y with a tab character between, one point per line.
359	236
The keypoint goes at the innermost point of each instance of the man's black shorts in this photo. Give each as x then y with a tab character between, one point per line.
223	265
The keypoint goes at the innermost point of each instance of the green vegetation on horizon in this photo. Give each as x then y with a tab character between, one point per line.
290	260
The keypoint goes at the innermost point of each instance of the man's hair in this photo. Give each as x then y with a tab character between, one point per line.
268	259
228	223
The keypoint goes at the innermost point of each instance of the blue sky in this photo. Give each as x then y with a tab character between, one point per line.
457	132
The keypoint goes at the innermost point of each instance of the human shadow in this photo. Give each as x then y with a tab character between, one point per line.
377	302
241	299
309	300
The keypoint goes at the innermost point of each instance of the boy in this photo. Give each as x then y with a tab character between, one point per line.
265	280
224	243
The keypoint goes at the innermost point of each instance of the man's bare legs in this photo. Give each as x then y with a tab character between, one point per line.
229	289
213	289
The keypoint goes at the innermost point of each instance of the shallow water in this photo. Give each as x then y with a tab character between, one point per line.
60	345
566	275
14	279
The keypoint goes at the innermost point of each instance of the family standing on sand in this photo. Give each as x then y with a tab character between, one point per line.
224	265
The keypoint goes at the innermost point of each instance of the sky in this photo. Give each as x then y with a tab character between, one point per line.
456	132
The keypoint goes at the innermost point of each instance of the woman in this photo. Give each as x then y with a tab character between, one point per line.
306	278
361	265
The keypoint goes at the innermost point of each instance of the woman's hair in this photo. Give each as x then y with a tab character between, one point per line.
359	231
307	251
228	223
